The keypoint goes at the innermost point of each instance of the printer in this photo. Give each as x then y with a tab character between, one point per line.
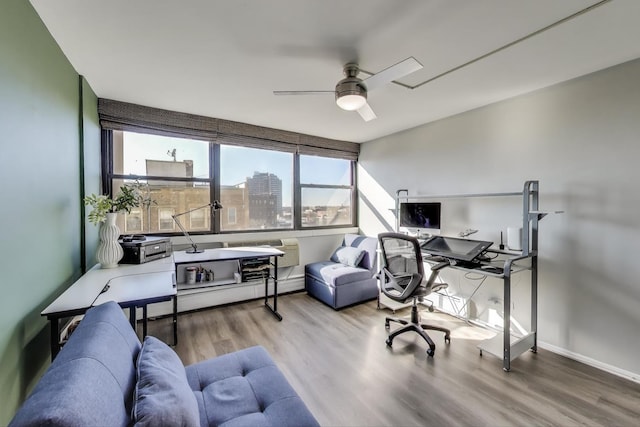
139	249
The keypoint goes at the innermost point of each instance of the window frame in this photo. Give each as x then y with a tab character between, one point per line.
108	177
250	153
299	186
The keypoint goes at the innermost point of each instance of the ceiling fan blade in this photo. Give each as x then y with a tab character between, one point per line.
367	113
303	92
392	73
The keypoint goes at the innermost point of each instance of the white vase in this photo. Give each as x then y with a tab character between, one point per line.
109	251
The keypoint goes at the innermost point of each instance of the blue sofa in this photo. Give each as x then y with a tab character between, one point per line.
104	376
349	276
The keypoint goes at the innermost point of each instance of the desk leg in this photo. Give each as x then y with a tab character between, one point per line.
55	331
273	309
534	302
275	285
132	317
506	333
144	321
175	320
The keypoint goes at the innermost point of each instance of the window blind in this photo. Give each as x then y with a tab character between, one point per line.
117	115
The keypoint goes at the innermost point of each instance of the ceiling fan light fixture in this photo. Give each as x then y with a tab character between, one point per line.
351	102
351	93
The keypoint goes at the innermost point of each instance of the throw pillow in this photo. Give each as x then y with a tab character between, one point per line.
162	394
348	255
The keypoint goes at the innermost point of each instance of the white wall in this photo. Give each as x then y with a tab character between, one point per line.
581	140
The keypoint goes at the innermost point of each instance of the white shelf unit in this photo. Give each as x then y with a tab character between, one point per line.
505	346
224	274
227	265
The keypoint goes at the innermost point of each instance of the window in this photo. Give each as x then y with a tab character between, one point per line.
326	192
133	221
257	184
165	220
172	172
257	187
153	155
199	219
231	215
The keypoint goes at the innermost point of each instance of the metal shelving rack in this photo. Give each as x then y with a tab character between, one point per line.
507	346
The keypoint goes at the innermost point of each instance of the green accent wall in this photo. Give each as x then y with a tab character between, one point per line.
91	165
42	119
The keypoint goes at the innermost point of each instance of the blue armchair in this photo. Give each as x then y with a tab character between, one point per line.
349	276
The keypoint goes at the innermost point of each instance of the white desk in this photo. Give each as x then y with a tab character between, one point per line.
134	286
131	286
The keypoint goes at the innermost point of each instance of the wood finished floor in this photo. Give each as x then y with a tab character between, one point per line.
339	364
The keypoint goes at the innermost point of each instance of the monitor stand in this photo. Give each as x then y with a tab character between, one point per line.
423	235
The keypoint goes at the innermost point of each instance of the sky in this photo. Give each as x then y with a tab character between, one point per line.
237	163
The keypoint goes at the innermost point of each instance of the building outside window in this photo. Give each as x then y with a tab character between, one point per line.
258	184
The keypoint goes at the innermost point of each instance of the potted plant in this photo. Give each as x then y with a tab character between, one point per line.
127	198
105	211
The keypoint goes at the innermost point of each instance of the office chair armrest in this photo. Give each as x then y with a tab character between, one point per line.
439	286
384	273
435	271
390	282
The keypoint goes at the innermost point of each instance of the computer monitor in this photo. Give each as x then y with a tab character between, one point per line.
455	248
420	215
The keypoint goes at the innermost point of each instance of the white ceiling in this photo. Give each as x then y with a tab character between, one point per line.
223	58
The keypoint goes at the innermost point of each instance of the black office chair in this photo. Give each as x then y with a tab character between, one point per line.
402	278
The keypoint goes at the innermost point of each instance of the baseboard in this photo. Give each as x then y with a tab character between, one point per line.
631	376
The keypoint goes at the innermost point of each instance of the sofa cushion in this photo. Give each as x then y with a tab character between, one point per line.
91	380
367	244
162	395
348	255
336	274
245	388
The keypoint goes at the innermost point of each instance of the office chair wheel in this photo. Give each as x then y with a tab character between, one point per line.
430	352
389	342
430	309
447	339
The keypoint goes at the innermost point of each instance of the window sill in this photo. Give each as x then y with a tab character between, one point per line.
263	235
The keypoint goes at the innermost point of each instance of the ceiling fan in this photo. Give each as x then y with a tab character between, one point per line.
351	92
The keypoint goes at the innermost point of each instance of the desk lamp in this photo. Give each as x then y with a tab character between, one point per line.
194	248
